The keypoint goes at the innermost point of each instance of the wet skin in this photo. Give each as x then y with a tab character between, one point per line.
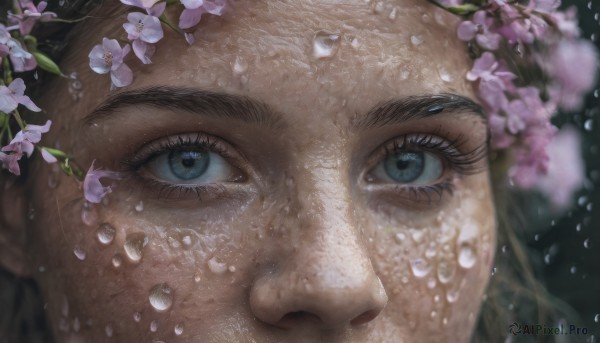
299	234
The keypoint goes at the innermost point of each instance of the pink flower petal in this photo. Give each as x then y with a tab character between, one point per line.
48	157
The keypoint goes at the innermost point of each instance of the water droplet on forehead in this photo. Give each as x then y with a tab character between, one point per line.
178	329
431	251
216	266
431	283
186	240
105	233
79	253
417	235
467	256
420	267
325	44
444	74
134	244
416	40
161	297
239	66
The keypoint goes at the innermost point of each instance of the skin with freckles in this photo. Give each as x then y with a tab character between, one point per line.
298	233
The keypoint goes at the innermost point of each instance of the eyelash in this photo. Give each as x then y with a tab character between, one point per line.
179	143
461	162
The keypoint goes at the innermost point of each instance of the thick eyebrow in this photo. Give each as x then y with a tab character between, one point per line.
397	111
207	103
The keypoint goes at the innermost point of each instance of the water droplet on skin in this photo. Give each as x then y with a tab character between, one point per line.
433	314
153	326
173	243
117	260
134	243
379	7
187	240
452	296
325	44
588	125
444	75
578	227
436	298
404	73
137	317
536	237
589	207
446	271
445	321
417	235
161	297
431	251
105	233
79	253
404	279
504	249
354	43
239	66
416	40
420	268
431	283
231	269
216	266
393	14
467	256
178	329
197	278
108	330
140	206
89	215
400	237
586	243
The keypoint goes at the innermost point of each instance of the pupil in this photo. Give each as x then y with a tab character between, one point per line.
188	165
405	167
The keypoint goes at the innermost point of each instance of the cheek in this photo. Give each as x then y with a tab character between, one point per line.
435	268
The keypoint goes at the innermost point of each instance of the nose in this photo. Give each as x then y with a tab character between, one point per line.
325	279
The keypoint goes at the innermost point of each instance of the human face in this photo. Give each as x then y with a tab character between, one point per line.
272	190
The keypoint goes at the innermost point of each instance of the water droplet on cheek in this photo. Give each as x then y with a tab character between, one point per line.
139	207
467	256
416	40
134	244
89	215
161	297
446	271
216	266
153	326
178	329
452	296
137	317
108	330
117	261
420	268
105	233
325	44
79	253
400	237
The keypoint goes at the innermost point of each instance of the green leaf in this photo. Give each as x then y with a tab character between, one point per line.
464	9
47	64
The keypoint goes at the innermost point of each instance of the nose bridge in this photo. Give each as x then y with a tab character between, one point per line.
329	275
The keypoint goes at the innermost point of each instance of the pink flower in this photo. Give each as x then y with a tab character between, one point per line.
143	29
501	139
145	4
108	57
25	139
565	169
11	162
21	59
195	8
493	81
479	29
531	158
13	95
48	157
31	15
574	67
92	188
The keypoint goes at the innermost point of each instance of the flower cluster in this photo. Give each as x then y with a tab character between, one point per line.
144	30
529	63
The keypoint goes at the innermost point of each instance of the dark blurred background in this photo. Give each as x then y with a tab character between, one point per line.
566	250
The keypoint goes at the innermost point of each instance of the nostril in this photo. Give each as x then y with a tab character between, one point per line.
294	318
365	317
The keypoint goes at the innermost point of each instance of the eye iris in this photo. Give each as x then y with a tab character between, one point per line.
405	166
188	165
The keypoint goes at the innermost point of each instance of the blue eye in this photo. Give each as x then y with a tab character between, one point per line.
191	166
417	167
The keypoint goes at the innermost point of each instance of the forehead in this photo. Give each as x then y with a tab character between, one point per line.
266	49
